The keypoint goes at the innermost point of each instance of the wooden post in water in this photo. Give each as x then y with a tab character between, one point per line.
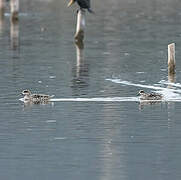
171	58
79	35
14	6
2	8
171	63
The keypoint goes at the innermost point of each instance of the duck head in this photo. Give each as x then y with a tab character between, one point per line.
141	92
26	92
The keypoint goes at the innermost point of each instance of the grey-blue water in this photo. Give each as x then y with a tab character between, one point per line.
125	50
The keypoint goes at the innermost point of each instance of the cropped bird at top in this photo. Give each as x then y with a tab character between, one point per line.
84	4
35	98
149	96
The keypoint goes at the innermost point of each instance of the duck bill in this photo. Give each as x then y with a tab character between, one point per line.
70	3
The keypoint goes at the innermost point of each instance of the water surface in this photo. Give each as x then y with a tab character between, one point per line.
125	50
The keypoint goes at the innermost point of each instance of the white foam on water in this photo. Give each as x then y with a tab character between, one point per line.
119	81
172	98
101	99
169	94
169	83
113	99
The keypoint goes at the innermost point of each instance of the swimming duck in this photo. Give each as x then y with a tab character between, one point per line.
149	96
35	98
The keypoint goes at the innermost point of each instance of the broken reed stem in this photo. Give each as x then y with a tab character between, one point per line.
14	6
171	58
79	35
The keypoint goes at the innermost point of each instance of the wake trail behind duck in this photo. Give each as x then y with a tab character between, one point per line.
169	94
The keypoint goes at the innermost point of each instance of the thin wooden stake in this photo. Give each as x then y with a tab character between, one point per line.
79	35
171	58
14	5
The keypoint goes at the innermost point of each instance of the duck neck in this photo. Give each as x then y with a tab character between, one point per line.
27	97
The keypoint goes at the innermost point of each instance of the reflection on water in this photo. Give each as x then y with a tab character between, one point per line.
96	127
1	25
81	70
14	35
2	8
30	105
171	78
142	104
